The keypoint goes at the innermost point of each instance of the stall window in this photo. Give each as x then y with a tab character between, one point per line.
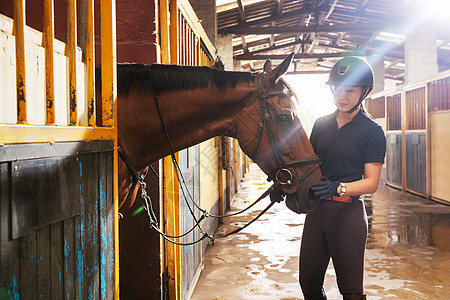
394	112
439	94
376	107
415	104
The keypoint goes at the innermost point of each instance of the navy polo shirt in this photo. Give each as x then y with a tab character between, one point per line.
344	151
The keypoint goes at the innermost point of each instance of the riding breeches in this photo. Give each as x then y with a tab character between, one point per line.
338	231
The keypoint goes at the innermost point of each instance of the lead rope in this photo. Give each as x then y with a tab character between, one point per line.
205	213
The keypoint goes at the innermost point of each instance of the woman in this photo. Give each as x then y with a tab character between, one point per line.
352	148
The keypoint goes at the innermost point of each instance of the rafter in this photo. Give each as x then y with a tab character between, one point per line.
280	4
241	11
250	56
306	29
283	17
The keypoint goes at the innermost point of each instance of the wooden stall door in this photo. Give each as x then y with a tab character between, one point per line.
416	168
57	221
393	159
416	142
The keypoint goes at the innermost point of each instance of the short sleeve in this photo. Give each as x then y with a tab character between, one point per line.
376	146
314	136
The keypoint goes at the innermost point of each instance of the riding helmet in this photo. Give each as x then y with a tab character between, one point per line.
351	71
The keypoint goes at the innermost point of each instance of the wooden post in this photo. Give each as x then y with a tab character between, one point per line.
49	62
90	61
109	108
72	54
404	124
19	33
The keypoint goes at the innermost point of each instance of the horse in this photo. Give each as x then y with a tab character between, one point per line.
199	103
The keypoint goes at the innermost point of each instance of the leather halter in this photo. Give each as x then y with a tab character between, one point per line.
266	119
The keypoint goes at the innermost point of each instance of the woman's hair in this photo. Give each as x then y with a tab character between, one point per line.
363	107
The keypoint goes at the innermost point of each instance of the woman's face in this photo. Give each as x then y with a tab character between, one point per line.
346	97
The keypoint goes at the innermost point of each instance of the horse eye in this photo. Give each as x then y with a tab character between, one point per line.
285	118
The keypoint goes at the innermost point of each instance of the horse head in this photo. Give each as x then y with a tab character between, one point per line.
280	146
166	108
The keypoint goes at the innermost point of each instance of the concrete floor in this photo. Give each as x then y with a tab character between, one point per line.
407	256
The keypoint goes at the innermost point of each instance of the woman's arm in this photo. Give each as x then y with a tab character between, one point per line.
368	185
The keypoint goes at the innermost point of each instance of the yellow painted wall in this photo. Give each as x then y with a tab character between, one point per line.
208	174
35	79
440	154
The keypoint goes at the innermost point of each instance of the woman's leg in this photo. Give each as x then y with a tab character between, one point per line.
347	241
314	258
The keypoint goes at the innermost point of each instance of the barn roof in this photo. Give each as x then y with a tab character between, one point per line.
322	31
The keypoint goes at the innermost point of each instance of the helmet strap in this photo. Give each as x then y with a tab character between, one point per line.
363	95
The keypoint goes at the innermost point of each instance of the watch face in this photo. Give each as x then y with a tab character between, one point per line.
343	188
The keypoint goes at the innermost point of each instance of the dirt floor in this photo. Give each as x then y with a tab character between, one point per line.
407	256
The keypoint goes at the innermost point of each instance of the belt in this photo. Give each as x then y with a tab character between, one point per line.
343	198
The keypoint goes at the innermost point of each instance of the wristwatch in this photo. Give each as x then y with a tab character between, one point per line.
343	189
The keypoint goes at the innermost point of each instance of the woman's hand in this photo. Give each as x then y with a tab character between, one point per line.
325	188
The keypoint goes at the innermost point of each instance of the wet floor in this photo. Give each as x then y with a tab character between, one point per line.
407	256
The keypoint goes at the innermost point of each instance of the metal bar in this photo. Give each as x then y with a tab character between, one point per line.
90	61
49	61
19	33
72	54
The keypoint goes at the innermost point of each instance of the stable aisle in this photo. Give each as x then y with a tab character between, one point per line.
407	256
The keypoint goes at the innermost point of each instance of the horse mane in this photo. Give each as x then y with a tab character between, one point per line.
159	77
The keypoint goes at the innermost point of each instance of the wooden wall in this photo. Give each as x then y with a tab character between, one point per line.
57	222
57	169
417	118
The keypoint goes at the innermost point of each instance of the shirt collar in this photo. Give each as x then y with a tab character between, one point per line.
356	119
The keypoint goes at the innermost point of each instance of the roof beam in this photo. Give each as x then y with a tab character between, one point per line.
305	29
241	11
244	44
393	63
300	55
280	5
361	7
308	72
292	14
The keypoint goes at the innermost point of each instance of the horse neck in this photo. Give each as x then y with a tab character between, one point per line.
190	116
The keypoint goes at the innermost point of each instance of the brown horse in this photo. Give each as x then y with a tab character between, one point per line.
198	103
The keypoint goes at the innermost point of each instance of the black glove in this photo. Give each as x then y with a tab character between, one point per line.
325	188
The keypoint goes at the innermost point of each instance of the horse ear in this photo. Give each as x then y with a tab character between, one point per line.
267	66
281	69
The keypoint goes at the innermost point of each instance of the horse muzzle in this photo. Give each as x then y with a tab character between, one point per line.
302	201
